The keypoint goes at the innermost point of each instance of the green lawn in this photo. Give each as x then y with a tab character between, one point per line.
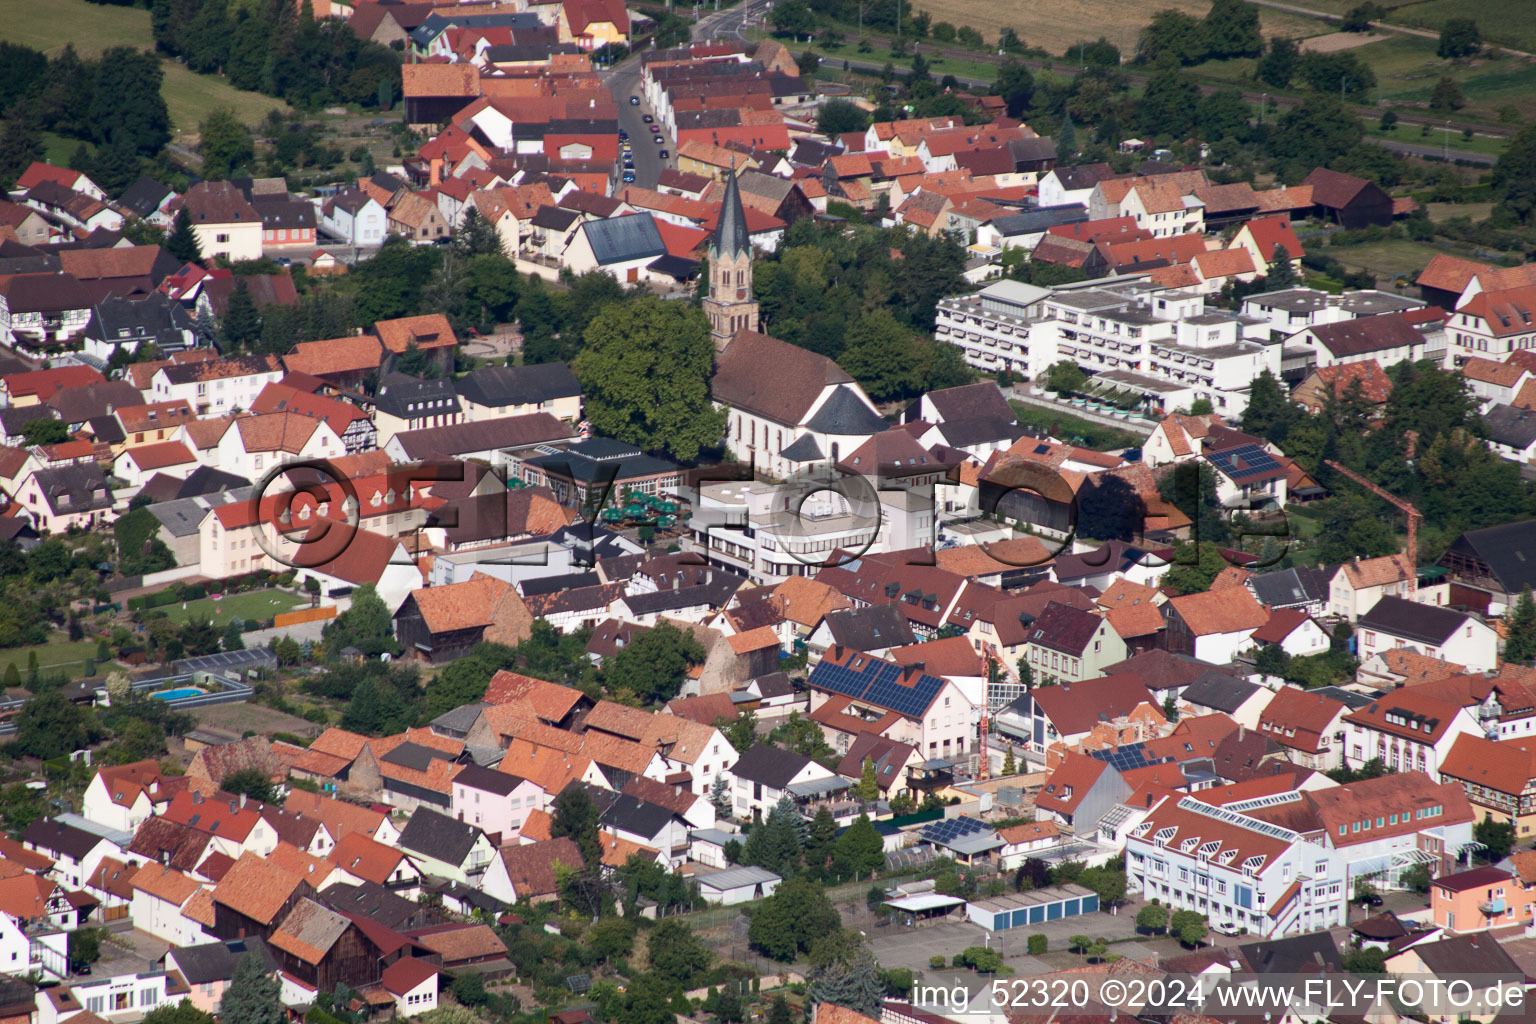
95	27
255	604
1389	259
1075	429
65	654
1407	71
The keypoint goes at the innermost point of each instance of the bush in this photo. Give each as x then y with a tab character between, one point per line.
936	962
1038	944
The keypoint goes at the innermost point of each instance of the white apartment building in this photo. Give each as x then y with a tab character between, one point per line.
1296	309
1132	336
1236	869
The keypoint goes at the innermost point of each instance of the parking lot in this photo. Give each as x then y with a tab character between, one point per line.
896	945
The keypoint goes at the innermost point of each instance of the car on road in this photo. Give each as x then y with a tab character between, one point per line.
655	129
634	101
660	141
647	118
629	175
629	161
662	154
283	261
623	135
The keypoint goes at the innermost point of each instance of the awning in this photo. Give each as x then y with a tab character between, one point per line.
925	901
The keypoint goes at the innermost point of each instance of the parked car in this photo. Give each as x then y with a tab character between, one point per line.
659	140
623	135
647	118
1224	928
629	175
655	129
663	154
634	101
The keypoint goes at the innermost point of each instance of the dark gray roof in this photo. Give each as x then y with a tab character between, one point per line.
804	449
57	837
415	756
731	236
1509	551
77	488
406	397
969	401
597	457
844	413
182	516
1041	219
154	318
555	584
1294	955
555	217
373	901
623	239
770	766
873	628
1289	587
438	836
518	385
715	593
1411	620
636	816
1511	426
144	197
515	53
210	962
460	719
1468	954
1354	701
1219	691
282	212
486	780
1083	175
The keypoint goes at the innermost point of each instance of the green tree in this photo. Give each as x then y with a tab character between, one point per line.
49	725
1015	83
1459	37
1172	36
1447	96
366	624
20	144
476	236
1520	638
1497	837
1010	766
776	842
127	99
860	849
1170	102
225	144
1514	177
793	18
181	1013
1365	961
1231	29
241	327
45	431
820	841
575	815
677	955
1189	926
84	946
1065	377
837	116
647	1001
1278	65
787	923
1152	918
654	664
252	996
1282	272
740	731
251	782
1359	17
868	787
778	1011
1417	879
853	981
182	243
879	353
644	371
233	640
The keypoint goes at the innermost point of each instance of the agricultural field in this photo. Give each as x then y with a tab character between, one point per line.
1390	260
94	27
1407	71
65	654
1055	25
1504	22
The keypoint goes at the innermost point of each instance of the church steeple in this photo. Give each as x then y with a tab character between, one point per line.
730	306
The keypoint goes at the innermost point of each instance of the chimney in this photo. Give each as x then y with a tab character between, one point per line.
242	799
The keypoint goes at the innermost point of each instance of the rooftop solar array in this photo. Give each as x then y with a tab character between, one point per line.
1127	757
953	828
1249	458
880	683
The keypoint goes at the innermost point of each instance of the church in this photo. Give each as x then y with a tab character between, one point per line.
788	410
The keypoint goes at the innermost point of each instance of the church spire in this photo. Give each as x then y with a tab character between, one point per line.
731	236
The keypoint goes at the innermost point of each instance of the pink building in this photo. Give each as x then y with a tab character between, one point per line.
1474	900
494	801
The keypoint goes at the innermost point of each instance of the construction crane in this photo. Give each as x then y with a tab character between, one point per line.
1414	516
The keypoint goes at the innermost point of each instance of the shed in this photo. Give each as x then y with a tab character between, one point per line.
1034	907
737	885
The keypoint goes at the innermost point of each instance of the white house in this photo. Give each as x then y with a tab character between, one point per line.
1215	625
136	465
160	894
1383	826
1236	869
1294	632
225	223
124	994
122	796
764	774
446	848
413	983
354	217
215	387
1357	585
1457	637
1406	731
494	801
21	953
75	852
253	445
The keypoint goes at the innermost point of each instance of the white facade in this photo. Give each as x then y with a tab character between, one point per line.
1474	645
213	397
235	241
1363	742
98	806
755	799
45	953
365	227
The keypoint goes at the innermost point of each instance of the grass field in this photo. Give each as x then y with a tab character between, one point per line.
65	654
93	28
255	604
1506	22
1389	259
1407	71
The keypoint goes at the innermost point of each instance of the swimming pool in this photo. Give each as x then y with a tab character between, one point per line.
185	691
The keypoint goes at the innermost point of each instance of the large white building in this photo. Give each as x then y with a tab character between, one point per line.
1236	869
1132	336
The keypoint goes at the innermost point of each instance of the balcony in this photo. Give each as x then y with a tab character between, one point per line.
1492	908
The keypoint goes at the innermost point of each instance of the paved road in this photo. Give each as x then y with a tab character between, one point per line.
1437	152
623	82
